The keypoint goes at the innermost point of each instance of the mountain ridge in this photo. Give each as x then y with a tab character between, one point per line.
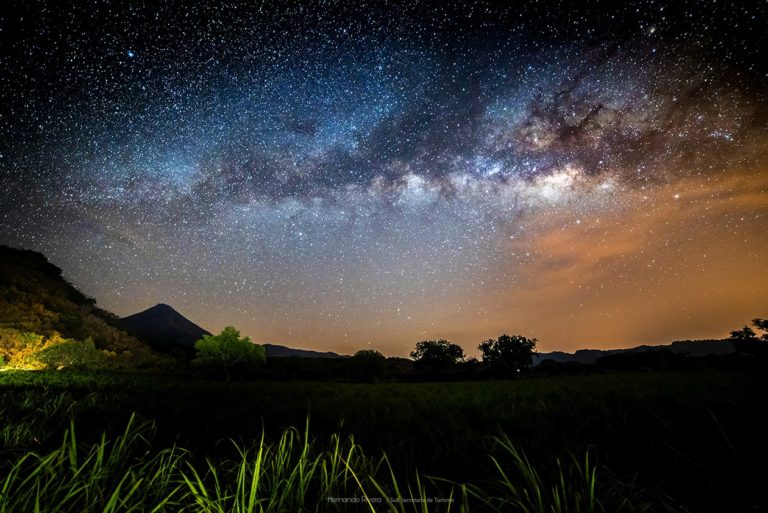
696	348
280	351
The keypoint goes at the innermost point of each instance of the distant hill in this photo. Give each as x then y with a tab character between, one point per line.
696	348
164	328
702	347
277	351
39	309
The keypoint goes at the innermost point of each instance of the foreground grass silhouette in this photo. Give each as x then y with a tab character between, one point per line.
681	440
295	474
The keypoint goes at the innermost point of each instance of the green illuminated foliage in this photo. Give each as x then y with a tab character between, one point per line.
39	309
228	352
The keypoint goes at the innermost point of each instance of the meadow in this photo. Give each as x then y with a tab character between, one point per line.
648	441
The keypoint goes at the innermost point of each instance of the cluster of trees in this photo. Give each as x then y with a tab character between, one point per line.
31	351
228	354
505	356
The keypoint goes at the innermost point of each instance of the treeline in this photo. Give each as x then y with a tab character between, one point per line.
404	369
228	356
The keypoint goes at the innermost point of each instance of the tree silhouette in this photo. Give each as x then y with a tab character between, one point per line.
747	341
436	355
227	351
745	333
508	354
368	365
762	325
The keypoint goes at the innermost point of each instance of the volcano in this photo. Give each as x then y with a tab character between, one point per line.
164	328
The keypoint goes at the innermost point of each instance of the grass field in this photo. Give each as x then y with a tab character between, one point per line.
684	441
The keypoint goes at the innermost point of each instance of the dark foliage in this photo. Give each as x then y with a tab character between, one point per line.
748	341
436	356
368	365
508	355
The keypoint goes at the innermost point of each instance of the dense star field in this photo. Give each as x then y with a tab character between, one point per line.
338	175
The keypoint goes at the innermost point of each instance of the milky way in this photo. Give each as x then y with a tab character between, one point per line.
334	175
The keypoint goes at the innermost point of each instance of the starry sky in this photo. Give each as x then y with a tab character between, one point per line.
341	175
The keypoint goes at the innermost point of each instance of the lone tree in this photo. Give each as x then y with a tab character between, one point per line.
747	341
228	352
368	365
508	354
437	355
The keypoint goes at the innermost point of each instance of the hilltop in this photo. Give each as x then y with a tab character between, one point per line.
164	328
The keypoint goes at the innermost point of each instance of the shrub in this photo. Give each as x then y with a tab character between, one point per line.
228	352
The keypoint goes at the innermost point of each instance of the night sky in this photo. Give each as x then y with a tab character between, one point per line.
342	175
